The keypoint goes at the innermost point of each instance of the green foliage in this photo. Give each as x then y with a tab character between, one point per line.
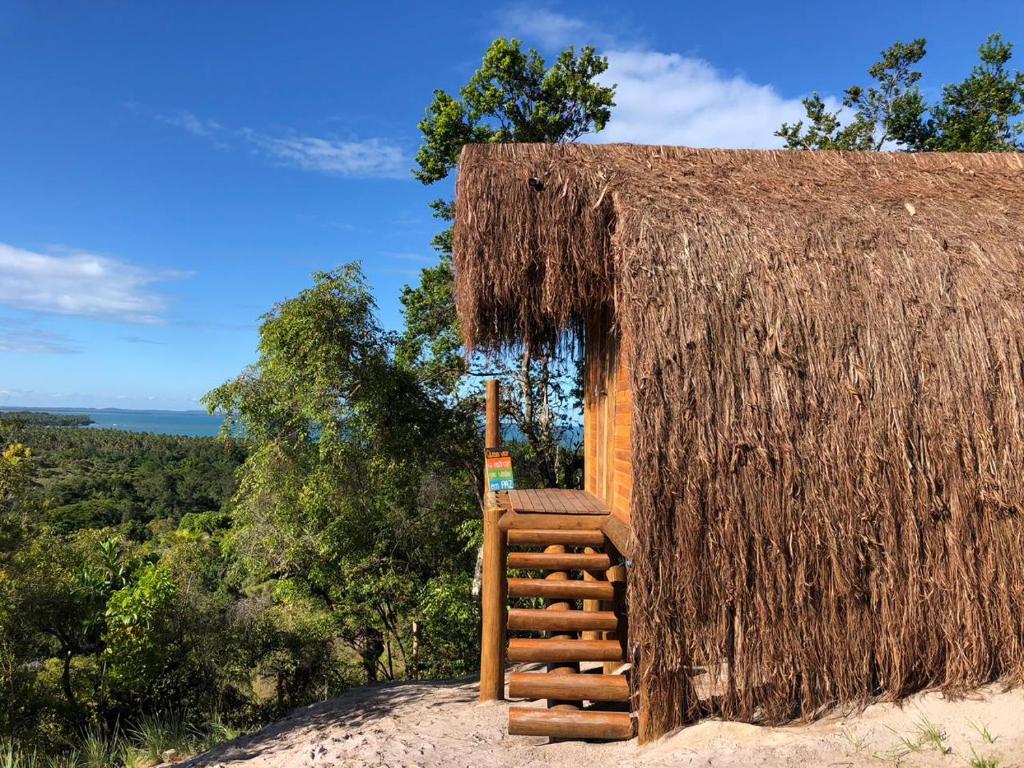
451	617
45	419
890	111
85	478
513	97
101	750
432	342
15	471
978	114
138	639
155	734
105	617
12	756
355	481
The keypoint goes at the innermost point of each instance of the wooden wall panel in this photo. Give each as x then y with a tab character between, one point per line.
622	421
607	418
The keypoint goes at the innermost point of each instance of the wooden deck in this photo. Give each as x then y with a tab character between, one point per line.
555	501
559	512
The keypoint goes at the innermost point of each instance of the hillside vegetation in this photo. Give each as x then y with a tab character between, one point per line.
44	419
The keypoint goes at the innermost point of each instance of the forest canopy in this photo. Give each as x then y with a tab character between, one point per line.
45	419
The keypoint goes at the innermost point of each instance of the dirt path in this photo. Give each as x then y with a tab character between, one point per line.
442	725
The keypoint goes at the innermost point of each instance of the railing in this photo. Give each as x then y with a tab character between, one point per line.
494	587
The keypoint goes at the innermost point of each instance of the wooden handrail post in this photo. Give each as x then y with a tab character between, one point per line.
493	589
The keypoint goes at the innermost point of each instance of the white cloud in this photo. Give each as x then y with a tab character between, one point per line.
668	98
346	158
24	338
132	339
70	282
195	125
665	97
370	158
547	28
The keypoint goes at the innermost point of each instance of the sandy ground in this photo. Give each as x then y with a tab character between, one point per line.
441	724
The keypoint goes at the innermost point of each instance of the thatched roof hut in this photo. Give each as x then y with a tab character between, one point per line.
826	384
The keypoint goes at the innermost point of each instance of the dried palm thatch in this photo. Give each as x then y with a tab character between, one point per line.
828	375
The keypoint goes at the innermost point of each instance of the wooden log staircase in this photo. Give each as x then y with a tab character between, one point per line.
559	557
566	583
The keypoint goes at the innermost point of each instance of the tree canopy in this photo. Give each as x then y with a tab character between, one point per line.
978	114
514	96
358	482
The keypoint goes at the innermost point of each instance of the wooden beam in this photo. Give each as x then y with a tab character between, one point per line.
539	685
561	590
512	520
569	724
556	607
557	650
617	575
566	561
493	589
620	534
526	537
540	620
593	574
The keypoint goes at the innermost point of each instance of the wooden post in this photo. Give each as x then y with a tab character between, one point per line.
591	605
493	589
556	605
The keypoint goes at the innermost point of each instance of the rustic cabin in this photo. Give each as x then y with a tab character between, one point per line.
804	429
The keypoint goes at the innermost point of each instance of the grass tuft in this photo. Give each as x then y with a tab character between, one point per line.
217	731
65	760
99	750
931	736
984	762
982	730
155	734
858	743
12	756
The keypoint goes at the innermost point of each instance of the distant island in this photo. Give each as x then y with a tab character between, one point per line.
192	423
44	419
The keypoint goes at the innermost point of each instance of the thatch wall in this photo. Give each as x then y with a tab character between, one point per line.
828	432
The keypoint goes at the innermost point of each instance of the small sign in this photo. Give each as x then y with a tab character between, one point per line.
499	470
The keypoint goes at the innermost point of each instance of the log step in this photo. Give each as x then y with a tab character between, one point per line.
572	589
542	537
542	620
569	724
512	520
567	561
563	650
541	685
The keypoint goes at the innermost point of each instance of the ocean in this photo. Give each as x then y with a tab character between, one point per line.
202	424
191	423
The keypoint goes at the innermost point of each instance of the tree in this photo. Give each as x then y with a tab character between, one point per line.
16	467
337	506
976	115
15	472
513	97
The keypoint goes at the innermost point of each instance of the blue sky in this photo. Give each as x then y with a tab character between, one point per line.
168	171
